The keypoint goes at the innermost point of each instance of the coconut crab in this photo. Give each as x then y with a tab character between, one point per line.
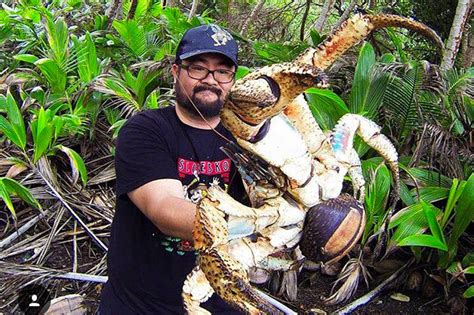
299	176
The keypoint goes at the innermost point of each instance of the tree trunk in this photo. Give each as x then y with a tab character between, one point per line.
455	34
167	3
303	22
252	16
192	13
133	8
468	48
115	11
319	25
345	14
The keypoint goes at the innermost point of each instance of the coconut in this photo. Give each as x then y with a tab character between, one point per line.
332	228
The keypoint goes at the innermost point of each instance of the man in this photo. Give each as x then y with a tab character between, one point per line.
162	156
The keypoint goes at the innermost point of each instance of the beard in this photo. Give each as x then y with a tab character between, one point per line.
208	109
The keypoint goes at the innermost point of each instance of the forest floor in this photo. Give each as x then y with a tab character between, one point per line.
313	287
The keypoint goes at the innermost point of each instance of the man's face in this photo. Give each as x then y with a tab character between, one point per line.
206	94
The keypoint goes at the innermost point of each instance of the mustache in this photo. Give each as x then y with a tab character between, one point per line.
203	87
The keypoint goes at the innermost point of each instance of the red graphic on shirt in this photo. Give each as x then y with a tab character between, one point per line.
210	168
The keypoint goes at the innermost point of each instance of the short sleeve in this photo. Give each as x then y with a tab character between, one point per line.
142	154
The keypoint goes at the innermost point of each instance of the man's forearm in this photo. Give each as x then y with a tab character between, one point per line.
162	203
175	217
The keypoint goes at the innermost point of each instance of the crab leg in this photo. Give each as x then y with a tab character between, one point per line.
299	113
231	283
213	234
343	137
196	290
266	92
356	29
243	221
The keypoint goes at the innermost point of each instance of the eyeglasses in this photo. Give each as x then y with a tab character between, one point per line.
199	73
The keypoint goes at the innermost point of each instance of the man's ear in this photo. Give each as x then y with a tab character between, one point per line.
174	72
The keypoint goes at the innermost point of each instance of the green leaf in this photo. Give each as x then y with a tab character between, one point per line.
116	87
408	213
133	36
426	178
413	238
454	193
431	194
468	259
116	127
378	187
74	3
398	44
152	99
26	58
4	195
464	212
166	49
77	164
21	191
469	293
87	65
241	72
277	52
433	222
327	107
42	131
387	58
53	73
315	37
3	104
141	9
14	128
401	99
58	39
469	270
361	82
405	194
410	221
423	240
38	94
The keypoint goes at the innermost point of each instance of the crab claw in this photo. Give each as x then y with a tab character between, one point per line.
268	91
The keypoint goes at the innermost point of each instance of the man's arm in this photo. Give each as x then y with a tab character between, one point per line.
163	204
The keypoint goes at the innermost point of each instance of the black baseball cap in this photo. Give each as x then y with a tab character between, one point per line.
207	39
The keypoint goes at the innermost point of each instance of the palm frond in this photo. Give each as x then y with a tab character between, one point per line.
351	274
401	98
115	87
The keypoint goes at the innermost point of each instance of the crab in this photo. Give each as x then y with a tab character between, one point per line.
293	172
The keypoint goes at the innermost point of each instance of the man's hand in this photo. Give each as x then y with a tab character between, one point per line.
163	203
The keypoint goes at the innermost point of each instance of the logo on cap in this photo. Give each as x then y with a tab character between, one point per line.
220	36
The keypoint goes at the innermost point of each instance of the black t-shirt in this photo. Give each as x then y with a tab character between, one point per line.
147	268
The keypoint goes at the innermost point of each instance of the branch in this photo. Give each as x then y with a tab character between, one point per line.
254	13
372	294
56	194
305	16
25	227
319	25
345	15
193	10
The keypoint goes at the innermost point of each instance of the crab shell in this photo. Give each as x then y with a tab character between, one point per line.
332	228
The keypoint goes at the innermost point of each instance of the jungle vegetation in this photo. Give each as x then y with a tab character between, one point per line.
73	71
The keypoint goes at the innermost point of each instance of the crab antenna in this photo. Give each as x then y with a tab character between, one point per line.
356	29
